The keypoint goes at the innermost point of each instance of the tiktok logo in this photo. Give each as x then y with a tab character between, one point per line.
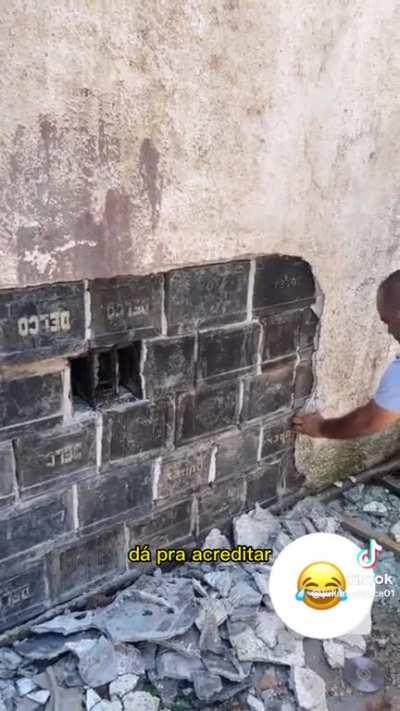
367	557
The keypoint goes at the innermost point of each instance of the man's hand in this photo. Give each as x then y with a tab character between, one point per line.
310	425
363	421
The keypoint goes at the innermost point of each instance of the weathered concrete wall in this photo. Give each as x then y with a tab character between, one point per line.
138	136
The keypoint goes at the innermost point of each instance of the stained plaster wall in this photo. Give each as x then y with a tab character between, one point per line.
140	136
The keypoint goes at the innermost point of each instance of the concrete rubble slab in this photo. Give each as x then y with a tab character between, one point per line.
167	689
207	685
254	704
243	594
49	645
95	703
25	686
68	624
141	701
41	697
262	581
148	651
219	608
354	645
188	644
176	666
100	662
210	639
267	627
220	581
26	705
256	529
215	539
228	666
244	614
151	613
309	689
9	662
92	699
377	508
7	692
122	686
334	653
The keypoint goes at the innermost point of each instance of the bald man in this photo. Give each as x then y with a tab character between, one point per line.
384	408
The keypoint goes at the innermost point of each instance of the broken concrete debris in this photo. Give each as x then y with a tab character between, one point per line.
334	653
309	689
194	638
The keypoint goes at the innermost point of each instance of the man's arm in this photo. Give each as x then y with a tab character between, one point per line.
365	420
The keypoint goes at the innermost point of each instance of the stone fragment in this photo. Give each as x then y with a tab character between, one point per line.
244	614
207	685
187	644
267	680
49	645
101	663
68	624
287	706
354	645
26	705
220	581
226	666
9	662
254	704
309	526
309	689
307	507
92	699
255	528
267	627
288	650
122	686
148	651
95	703
41	697
334	653
7	693
395	531
167	689
216	539
25	686
141	701
210	639
262	581
66	672
212	606
176	666
243	594
326	524
354	494
282	540
295	528
249	647
157	611
61	698
375	507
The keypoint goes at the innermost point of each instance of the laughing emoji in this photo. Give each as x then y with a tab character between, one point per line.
321	586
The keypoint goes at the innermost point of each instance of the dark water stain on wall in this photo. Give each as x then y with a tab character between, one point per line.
152	181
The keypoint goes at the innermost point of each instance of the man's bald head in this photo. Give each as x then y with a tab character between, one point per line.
390	290
388	303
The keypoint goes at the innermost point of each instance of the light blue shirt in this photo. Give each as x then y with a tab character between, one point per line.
387	395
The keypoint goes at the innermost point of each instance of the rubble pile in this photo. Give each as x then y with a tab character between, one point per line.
200	637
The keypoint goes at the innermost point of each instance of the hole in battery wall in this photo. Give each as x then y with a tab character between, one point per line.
101	376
